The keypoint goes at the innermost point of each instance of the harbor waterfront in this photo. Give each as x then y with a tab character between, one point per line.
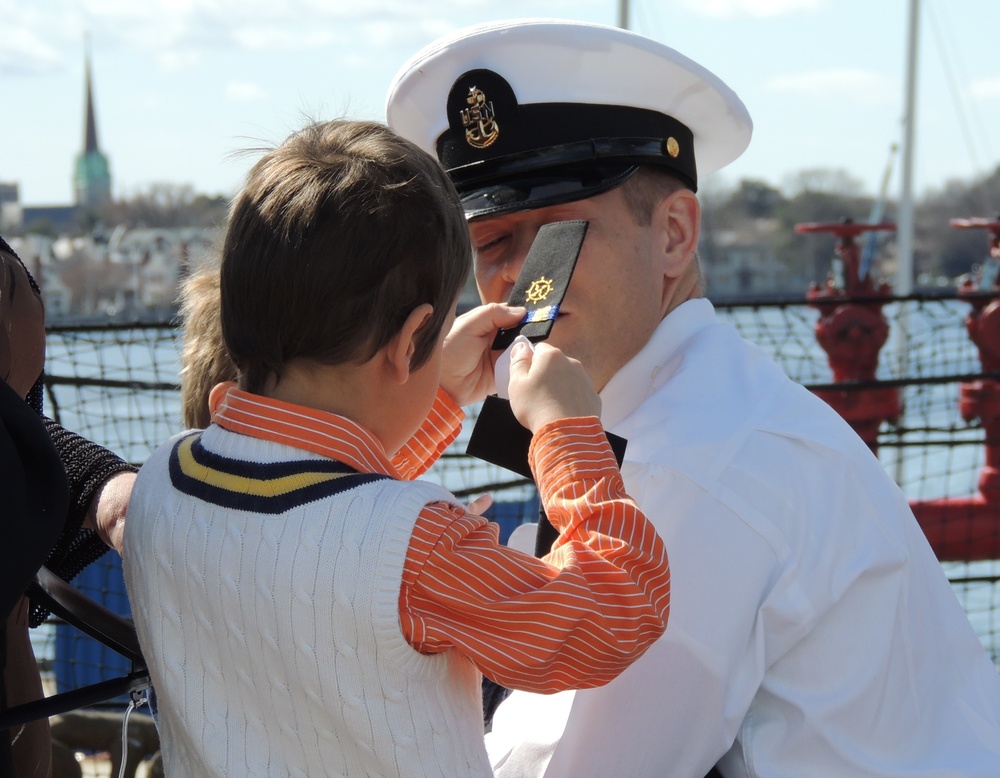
117	384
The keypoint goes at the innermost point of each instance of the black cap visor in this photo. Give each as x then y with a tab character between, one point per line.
542	188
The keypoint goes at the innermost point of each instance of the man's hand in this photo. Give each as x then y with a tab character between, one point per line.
467	360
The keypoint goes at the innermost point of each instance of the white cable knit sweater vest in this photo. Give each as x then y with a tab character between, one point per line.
273	636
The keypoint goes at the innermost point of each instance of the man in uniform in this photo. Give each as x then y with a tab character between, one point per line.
812	629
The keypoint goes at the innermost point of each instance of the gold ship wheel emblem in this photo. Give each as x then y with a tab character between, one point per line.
539	290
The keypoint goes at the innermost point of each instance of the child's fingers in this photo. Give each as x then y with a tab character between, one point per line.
487	319
520	358
480	505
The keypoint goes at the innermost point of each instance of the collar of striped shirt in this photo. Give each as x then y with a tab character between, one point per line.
305	428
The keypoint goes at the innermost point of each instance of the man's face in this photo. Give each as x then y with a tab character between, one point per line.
618	292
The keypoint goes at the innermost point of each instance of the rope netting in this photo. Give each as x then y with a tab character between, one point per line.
935	454
118	385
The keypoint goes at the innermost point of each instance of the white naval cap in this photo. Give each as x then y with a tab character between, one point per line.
533	112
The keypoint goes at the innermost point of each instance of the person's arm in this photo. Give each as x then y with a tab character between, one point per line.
90	470
438	431
574	619
108	506
466	377
100	484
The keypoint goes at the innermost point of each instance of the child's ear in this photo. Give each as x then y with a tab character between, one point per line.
400	350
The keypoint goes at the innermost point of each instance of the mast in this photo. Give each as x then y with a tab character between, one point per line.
623	14
904	224
904	268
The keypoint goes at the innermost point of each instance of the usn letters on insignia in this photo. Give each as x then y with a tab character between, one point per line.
481	128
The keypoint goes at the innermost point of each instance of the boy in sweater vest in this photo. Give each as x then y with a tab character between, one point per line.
305	607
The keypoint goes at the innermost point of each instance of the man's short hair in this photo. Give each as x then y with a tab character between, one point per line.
336	237
645	188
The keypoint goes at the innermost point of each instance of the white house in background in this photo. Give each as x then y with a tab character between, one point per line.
58	296
743	263
36	251
129	273
159	259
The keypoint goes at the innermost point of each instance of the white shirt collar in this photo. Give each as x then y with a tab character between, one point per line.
632	384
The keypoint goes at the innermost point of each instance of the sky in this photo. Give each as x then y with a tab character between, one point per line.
184	87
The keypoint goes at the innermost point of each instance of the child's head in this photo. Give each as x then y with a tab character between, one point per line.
337	236
204	359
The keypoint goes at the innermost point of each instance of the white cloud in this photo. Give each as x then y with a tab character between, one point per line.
24	52
263	38
839	83
985	89
176	60
726	9
244	92
176	34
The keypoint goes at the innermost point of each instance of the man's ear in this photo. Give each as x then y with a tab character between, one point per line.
399	351
678	217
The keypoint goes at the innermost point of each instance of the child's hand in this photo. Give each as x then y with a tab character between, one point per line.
466	358
546	385
480	505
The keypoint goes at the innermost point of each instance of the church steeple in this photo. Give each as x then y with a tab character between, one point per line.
92	175
90	135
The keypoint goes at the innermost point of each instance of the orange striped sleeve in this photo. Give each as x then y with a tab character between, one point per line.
574	619
438	431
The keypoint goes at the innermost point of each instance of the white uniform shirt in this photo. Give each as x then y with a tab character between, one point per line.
812	631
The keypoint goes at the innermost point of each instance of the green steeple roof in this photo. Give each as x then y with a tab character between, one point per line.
92	173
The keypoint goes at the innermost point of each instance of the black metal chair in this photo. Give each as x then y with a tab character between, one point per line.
98	622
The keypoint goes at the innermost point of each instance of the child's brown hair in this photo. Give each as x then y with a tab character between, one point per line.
337	236
204	359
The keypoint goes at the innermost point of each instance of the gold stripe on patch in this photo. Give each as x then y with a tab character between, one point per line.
257	487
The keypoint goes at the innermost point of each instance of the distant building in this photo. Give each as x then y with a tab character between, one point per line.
742	263
8	193
37	254
89	271
92	173
50	219
10	206
91	179
160	258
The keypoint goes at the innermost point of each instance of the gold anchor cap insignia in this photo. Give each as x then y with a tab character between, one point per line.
539	290
481	127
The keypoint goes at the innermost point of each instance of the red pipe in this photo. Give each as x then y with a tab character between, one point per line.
967	529
960	529
852	332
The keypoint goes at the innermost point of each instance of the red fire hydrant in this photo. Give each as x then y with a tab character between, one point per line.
967	528
852	330
981	399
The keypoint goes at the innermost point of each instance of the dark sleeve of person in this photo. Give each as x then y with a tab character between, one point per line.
33	501
88	465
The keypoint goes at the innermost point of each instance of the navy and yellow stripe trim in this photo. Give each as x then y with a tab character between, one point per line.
253	486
